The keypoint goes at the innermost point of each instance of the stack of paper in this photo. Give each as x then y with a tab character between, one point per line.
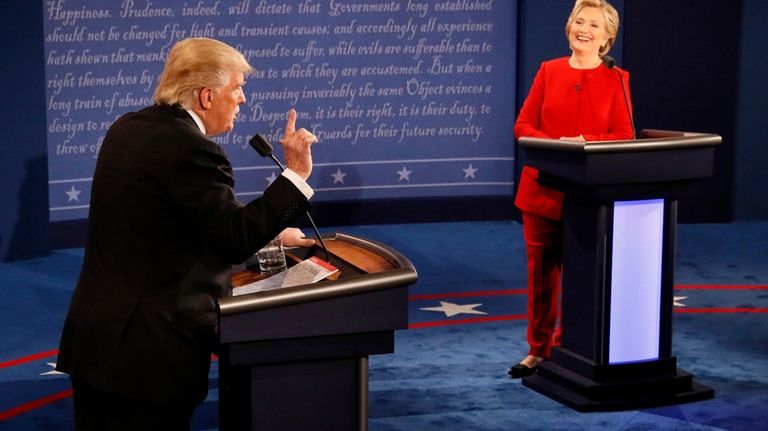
308	271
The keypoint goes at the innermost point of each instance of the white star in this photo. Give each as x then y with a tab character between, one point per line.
73	194
405	174
338	177
450	309
53	372
271	178
678	298
470	172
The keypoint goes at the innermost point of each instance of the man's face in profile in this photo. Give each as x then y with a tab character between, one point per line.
225	105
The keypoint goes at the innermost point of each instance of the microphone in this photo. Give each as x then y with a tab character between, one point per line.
264	148
609	62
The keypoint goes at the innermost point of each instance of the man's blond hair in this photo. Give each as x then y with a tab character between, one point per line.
197	63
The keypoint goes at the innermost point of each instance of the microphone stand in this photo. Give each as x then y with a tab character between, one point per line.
609	63
264	148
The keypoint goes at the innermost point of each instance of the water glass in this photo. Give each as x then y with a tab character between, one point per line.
272	257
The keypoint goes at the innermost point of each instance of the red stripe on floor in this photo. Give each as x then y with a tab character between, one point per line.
30	358
485	319
720	310
36	404
468	294
720	287
471	294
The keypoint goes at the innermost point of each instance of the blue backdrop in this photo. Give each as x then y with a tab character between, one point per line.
408	99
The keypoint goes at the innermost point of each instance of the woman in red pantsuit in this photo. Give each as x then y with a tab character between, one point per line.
573	98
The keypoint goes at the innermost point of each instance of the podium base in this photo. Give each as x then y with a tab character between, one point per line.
587	395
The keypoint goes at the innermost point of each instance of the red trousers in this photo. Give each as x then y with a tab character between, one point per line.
543	241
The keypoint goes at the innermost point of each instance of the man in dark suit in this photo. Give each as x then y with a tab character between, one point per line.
164	229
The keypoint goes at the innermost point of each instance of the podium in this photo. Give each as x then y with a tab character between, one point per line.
296	358
619	226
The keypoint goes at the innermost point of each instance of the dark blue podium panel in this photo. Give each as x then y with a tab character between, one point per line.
663	157
297	357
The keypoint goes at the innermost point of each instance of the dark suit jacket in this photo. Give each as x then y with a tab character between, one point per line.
164	229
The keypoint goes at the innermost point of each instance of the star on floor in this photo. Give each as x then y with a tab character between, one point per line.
53	371
73	194
675	300
450	309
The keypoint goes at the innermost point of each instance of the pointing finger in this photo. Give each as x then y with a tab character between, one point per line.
290	127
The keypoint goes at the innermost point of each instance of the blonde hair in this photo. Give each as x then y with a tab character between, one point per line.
195	63
611	21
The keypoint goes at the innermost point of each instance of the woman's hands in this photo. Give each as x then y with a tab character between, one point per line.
579	138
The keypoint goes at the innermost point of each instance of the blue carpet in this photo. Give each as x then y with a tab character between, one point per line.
449	373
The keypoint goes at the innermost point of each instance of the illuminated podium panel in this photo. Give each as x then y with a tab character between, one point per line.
619	226
296	358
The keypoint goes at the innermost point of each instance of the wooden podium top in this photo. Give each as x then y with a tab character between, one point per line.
364	266
364	259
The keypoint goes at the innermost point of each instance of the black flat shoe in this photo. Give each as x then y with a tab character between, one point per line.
520	370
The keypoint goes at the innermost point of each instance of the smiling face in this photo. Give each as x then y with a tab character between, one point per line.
588	31
222	104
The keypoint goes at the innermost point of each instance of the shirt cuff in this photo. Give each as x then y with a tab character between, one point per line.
299	182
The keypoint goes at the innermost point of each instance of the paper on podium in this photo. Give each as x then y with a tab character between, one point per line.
307	271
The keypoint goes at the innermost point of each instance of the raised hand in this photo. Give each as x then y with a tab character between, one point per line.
296	145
